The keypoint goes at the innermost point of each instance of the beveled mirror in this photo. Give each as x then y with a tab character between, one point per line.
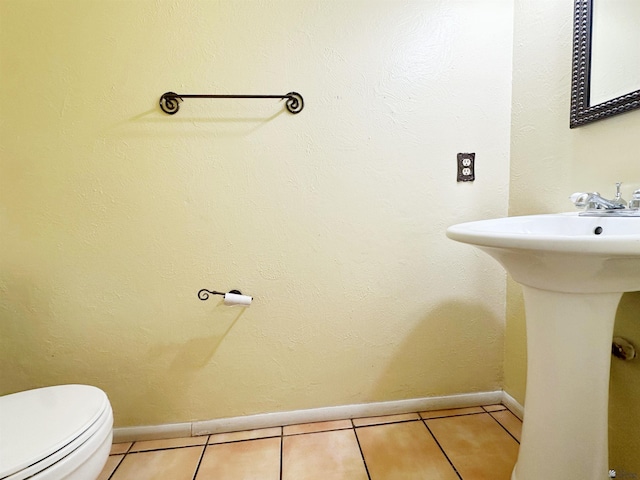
606	59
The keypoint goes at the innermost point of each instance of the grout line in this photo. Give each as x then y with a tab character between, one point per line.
387	423
503	427
440	447
355	432
171	448
195	473
484	407
117	466
318	431
513	413
452	416
125	452
241	440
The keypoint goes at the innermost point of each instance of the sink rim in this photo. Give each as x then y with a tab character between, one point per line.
479	233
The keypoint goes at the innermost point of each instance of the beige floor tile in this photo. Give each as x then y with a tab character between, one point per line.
245	435
494	408
509	421
174	464
112	463
477	446
451	412
316	427
118	448
322	456
361	422
403	451
169	443
248	460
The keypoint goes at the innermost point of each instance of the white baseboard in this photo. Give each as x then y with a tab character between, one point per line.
511	403
266	420
151	432
324	414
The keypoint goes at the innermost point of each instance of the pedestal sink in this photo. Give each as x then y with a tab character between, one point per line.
573	270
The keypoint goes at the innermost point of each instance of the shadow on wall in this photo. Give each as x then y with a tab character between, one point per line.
40	347
177	364
196	353
425	364
234	123
624	393
27	334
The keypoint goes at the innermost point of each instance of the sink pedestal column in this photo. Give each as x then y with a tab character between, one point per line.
565	430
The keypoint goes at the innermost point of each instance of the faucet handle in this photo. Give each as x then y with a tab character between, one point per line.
579	199
634	203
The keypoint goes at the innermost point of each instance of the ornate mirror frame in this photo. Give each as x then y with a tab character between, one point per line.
581	111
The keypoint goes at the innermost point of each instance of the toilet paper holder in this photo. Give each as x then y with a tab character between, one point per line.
204	293
231	298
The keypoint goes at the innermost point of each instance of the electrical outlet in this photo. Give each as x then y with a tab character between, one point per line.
466	167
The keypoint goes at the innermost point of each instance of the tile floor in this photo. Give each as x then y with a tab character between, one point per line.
465	443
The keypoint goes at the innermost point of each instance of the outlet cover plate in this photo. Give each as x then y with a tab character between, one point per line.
466	167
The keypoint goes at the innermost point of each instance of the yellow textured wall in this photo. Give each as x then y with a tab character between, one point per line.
113	215
548	163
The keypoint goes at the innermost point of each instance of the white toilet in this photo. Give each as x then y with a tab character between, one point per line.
55	433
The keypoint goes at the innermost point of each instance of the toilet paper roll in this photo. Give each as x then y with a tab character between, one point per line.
235	299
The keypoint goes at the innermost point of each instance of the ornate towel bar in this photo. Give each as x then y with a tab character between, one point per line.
170	101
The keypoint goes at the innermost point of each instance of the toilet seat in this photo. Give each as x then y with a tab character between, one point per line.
43	426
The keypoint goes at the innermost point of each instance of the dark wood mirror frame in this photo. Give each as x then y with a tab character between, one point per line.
581	110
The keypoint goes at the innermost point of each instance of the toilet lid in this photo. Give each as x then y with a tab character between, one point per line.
37	423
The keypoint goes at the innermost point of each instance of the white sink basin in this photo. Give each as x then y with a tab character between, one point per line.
573	270
561	252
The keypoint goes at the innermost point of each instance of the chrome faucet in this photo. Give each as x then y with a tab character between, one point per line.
596	205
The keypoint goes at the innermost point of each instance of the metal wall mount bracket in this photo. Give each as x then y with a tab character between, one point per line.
623	349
